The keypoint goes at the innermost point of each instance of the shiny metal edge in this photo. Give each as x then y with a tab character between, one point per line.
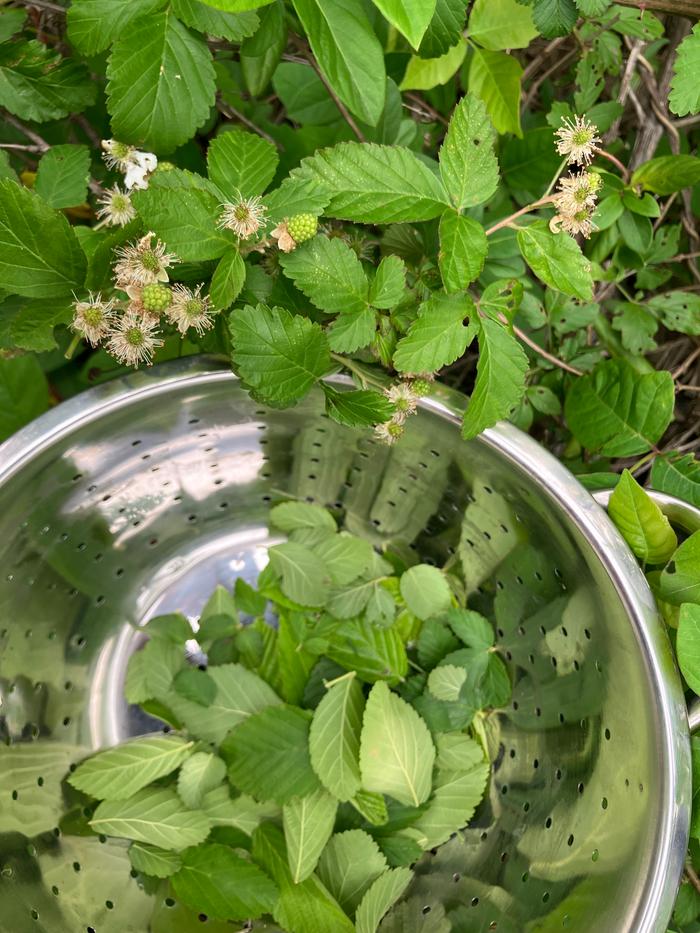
656	898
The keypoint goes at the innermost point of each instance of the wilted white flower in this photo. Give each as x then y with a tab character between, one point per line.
117	209
285	240
404	399
117	155
141	263
577	192
190	309
389	432
139	168
245	217
133	339
93	318
577	139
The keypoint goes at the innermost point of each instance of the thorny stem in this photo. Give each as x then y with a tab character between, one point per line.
523	210
555	361
345	113
615	161
232	114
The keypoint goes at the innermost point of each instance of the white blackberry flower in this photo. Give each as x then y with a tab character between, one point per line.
93	318
245	217
117	209
190	309
133	339
141	263
577	139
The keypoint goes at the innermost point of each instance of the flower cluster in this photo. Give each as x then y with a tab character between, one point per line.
404	397
130	327
116	209
575	199
575	202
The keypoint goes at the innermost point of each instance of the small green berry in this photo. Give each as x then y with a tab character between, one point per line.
302	227
421	387
156	297
165	167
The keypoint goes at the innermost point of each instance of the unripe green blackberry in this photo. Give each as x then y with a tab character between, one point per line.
165	167
421	387
156	297
302	227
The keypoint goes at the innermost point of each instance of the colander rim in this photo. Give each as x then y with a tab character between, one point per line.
655	899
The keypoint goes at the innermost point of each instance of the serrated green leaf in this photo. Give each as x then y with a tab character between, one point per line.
39	253
334	737
500	378
451	806
228	280
472	629
329	273
195	685
62	176
120	772
224	885
677	475
678	311
345	557
554	17
37	84
32	327
173	626
543	400
290	516
358	407
495	78
351	332
240	693
501	24
457	752
161	83
348	53
445	682
468	163
242	812
688	645
680	579
641	522
268	755
368	183
150	672
153	816
396	751
425	591
307	907
349	864
438	336
685	85
308	825
374	653
379	898
304	577
158	863
232	26
434	642
93	25
556	259
463	249
241	164
183	216
617	411
445	28
199	774
423	74
389	283
278	354
372	807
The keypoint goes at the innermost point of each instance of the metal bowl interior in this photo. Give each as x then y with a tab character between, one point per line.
139	496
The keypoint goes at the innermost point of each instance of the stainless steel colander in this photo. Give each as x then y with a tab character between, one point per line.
137	497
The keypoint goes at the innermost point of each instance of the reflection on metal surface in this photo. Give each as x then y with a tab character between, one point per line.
138	497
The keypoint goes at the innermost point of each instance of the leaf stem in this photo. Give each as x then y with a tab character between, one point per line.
642	461
523	210
72	346
615	161
363	376
564	162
